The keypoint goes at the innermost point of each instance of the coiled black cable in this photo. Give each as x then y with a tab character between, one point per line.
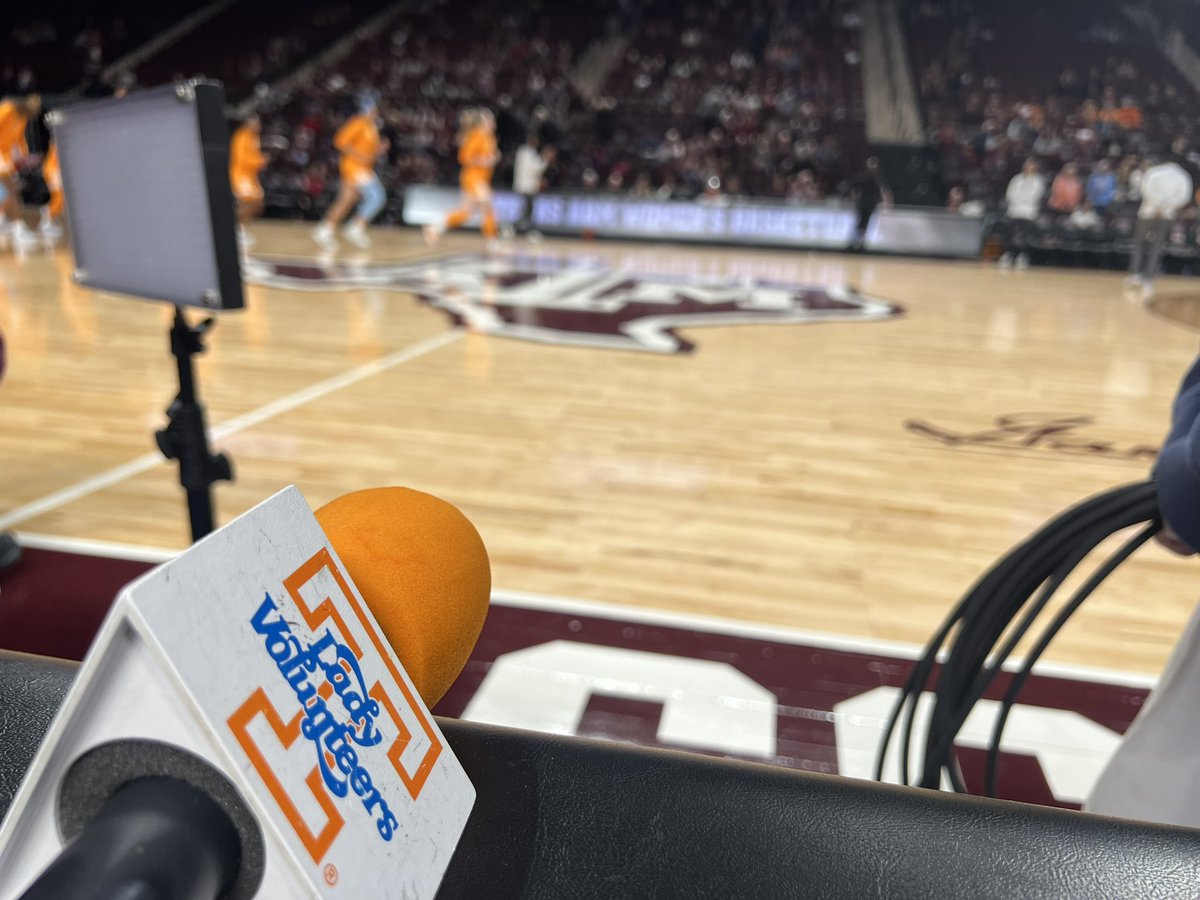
1016	589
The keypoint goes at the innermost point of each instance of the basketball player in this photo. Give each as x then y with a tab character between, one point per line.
14	117
360	145
51	214
477	156
246	160
1155	773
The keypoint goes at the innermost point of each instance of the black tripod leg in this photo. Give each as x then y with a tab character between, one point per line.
186	436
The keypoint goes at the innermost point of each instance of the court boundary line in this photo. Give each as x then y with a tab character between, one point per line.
88	547
642	615
287	403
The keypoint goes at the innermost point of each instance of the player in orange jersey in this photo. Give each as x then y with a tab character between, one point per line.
14	117
52	212
361	146
246	160
477	156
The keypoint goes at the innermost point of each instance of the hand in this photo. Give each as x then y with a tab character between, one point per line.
384	146
1173	542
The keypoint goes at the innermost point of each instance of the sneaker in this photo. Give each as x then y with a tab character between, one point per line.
1134	281
357	235
1006	261
23	238
534	237
1022	260
253	270
1147	289
431	235
323	235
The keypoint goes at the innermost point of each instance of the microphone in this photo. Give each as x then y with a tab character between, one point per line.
423	570
242	725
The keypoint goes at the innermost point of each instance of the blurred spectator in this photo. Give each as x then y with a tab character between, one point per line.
1166	189
1066	191
1025	192
974	208
642	188
1102	186
958	202
804	188
712	195
1024	195
870	191
529	167
1085	218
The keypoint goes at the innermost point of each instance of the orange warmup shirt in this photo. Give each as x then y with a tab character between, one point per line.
12	135
359	142
53	176
478	144
246	160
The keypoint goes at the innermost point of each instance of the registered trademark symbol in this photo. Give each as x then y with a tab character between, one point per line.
331	874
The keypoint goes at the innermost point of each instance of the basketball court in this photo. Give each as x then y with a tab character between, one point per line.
787	449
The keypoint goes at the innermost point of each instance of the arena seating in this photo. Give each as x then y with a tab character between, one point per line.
60	42
765	95
760	124
1073	83
427	67
753	93
1076	82
250	43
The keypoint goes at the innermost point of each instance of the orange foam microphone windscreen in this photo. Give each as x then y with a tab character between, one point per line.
421	567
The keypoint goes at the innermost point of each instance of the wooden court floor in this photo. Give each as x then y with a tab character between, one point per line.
845	476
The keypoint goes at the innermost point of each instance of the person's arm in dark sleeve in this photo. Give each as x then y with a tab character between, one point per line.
1177	469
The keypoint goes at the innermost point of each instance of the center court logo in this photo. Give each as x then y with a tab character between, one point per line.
580	302
336	714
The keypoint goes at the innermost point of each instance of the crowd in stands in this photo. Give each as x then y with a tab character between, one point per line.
1076	216
760	98
1068	84
765	96
1047	111
426	68
64	46
1050	112
60	45
248	45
